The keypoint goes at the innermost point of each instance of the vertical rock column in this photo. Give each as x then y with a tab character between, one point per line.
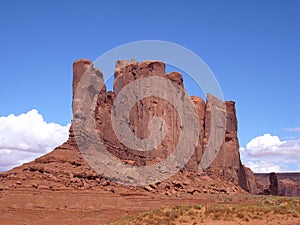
273	184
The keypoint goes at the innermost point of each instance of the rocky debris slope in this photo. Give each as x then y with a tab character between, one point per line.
65	168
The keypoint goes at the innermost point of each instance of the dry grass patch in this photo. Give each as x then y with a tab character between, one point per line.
263	208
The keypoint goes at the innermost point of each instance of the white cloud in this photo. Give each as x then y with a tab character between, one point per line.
269	153
264	145
295	129
26	137
264	166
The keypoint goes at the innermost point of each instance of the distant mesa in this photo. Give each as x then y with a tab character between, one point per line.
282	184
65	168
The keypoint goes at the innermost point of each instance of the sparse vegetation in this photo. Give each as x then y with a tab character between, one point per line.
267	208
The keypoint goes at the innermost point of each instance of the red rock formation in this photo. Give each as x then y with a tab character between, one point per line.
247	180
283	184
288	187
65	167
273	184
227	164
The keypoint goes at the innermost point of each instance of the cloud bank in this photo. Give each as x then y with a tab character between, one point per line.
27	136
294	129
269	153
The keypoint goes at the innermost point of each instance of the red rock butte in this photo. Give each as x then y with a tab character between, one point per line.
65	169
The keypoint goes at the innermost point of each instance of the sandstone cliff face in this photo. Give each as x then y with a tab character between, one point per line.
65	167
247	180
140	115
226	165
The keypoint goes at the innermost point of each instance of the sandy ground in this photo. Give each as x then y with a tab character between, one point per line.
89	207
77	207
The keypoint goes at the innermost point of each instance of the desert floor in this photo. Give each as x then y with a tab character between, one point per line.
97	207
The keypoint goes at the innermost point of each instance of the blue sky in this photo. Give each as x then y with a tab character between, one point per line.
252	47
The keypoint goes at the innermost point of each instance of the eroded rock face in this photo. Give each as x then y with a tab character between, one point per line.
227	164
247	180
283	184
66	167
288	187
140	115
